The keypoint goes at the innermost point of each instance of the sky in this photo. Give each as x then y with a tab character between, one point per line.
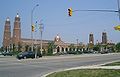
55	19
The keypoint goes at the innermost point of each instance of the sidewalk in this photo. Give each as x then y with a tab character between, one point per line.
95	67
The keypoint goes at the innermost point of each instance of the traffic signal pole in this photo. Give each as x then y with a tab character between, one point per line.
97	10
116	11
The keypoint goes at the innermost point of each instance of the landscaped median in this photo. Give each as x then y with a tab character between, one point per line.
89	71
113	64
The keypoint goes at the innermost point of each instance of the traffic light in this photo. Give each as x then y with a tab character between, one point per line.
117	27
70	11
33	28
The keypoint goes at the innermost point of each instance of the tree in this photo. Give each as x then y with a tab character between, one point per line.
51	47
19	46
96	48
26	47
14	48
111	48
90	46
117	47
6	49
10	47
1	49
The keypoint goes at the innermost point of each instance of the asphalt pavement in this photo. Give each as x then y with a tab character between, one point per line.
11	67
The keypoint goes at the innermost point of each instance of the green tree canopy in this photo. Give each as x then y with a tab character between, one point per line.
51	46
118	47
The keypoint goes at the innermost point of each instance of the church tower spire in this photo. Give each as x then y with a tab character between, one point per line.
7	34
17	30
91	38
104	37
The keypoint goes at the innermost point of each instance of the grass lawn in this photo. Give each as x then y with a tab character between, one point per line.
113	64
87	73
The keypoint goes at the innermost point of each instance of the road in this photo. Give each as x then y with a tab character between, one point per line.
11	67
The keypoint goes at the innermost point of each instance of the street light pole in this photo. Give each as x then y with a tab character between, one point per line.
36	41
77	43
32	24
41	31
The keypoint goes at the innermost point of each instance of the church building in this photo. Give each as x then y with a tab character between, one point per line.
23	44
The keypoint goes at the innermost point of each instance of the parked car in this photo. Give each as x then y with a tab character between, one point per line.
7	53
104	52
28	54
0	53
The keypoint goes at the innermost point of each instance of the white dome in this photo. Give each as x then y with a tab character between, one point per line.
7	19
17	15
57	37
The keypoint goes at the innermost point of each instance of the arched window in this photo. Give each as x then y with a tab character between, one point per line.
62	49
66	49
58	49
70	49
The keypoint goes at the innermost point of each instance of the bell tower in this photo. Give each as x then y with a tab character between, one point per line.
17	30
91	38
91	41
7	34
104	38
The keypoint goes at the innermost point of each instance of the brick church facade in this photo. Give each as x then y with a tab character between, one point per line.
15	39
